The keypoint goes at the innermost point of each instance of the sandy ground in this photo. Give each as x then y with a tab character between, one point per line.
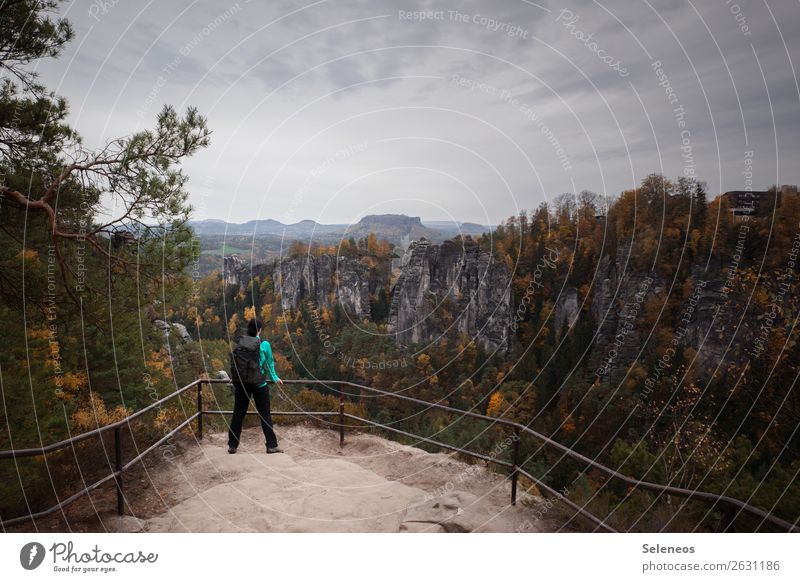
370	485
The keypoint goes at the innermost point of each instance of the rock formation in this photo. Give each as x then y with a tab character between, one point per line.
567	310
706	320
166	329
452	288
324	280
233	269
455	286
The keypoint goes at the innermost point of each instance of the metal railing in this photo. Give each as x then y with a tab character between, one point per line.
119	467
731	507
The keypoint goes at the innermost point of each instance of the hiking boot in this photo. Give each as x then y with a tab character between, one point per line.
231	450
271	450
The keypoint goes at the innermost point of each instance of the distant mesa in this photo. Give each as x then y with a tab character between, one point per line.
400	220
397	228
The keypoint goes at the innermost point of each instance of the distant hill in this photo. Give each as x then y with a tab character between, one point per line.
266	227
456	228
396	228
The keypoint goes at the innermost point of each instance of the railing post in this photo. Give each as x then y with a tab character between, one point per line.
727	519
118	468
514	469
341	419
200	410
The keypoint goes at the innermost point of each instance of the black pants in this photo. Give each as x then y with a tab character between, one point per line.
242	395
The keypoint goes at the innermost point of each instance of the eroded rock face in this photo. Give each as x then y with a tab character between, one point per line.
324	280
567	310
705	320
720	329
618	309
166	328
233	268
183	333
452	287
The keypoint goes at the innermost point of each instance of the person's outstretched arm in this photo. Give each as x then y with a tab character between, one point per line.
268	362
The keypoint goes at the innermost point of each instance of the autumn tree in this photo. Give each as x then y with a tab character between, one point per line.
71	270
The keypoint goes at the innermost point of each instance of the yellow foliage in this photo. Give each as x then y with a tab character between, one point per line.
249	313
35	333
63	396
167	419
95	414
233	324
159	363
28	255
761	297
74	382
155	365
193	314
495	404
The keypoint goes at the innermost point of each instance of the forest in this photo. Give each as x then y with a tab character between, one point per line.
692	420
80	292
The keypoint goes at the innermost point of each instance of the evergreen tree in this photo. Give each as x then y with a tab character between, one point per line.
699	205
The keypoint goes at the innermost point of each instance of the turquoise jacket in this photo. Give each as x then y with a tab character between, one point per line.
267	362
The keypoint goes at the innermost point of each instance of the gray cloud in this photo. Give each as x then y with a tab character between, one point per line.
279	114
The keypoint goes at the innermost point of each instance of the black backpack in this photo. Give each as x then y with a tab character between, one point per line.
245	366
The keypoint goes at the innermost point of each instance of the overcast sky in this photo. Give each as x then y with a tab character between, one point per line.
331	110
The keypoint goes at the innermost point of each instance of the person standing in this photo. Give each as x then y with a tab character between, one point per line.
252	371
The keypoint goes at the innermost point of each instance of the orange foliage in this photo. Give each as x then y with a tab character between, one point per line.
495	404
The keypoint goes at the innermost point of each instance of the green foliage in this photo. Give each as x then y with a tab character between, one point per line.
78	288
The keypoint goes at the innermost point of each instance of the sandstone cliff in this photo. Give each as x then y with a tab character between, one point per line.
452	287
441	289
706	318
324	280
